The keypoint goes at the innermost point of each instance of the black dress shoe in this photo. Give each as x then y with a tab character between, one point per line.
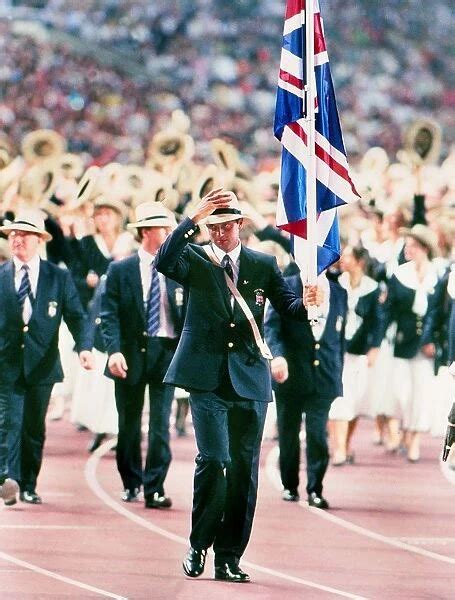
130	495
232	573
194	562
96	442
157	501
291	496
317	501
30	497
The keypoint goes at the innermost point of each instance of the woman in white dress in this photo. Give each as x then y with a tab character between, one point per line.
414	298
363	337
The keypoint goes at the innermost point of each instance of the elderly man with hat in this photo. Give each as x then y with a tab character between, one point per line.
222	360
141	319
36	296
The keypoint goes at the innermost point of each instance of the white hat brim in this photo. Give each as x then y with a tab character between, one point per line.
7	229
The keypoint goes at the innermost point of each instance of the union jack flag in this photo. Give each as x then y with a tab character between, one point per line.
334	186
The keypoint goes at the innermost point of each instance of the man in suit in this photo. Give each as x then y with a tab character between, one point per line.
222	361
141	319
307	368
35	296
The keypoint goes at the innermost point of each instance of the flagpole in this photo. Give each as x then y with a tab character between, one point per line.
310	119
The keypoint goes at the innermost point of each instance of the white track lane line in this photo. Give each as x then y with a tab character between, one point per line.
92	481
63	579
274	477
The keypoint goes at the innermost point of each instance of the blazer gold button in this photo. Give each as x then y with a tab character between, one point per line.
97	321
230	345
25	329
22	346
144	333
317	346
232	324
419	331
316	363
142	349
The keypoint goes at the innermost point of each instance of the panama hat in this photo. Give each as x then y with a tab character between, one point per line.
151	214
423	234
233	212
71	165
30	220
42	144
422	141
102	201
158	188
89	186
170	145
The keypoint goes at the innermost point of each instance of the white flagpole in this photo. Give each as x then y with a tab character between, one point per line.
310	119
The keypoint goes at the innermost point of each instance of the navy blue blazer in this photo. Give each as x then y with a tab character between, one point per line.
215	335
123	318
371	330
33	348
315	366
413	331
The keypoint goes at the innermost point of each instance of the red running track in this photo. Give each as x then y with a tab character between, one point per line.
390	533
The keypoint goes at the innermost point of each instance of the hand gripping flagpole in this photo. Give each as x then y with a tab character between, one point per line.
310	98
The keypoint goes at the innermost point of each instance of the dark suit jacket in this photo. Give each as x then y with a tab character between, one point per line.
370	332
34	347
123	319
413	331
214	336
315	366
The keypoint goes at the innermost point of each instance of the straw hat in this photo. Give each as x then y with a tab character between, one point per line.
423	234
226	156
89	186
151	214
158	188
30	220
42	144
233	212
102	201
170	145
71	165
422	141
37	184
375	159
5	158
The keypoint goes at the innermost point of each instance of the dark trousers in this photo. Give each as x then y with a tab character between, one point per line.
228	436
11	415
23	409
130	403
289	416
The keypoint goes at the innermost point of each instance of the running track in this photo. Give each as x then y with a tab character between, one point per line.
390	533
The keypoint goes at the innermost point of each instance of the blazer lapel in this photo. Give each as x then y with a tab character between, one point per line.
134	279
10	290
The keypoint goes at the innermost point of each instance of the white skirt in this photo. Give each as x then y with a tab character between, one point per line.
379	399
412	392
443	398
94	399
355	380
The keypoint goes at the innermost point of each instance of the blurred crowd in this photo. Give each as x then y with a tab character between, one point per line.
218	62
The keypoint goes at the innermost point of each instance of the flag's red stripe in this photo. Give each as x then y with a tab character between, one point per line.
288	78
324	156
319	41
294	7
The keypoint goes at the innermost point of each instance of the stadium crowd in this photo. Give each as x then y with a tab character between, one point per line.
219	62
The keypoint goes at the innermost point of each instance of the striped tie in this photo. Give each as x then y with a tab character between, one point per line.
227	266
153	304
25	289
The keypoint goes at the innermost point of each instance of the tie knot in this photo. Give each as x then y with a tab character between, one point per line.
25	268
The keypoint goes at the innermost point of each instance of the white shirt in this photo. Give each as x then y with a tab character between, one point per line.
145	265
33	274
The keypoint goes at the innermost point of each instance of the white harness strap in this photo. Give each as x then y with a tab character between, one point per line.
261	344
